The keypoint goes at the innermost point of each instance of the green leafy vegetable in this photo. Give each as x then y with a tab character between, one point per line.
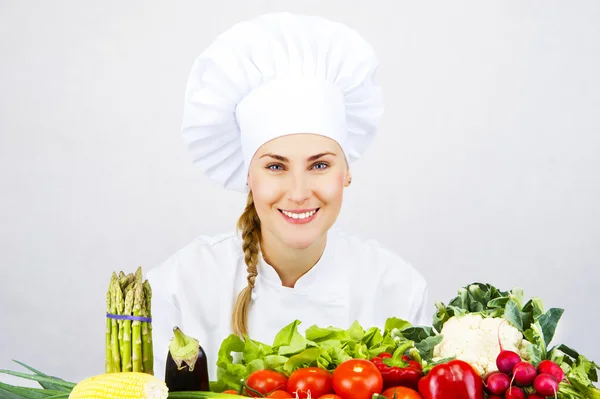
580	374
536	325
325	347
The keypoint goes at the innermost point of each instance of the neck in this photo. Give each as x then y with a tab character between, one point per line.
290	263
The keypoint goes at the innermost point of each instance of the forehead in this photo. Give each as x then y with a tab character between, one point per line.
300	145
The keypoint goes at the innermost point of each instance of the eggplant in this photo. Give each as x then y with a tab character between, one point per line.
187	365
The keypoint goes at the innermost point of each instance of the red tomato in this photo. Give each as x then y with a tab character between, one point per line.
315	380
330	396
401	393
265	381
279	394
357	379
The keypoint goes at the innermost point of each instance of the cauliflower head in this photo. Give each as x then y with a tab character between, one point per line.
474	339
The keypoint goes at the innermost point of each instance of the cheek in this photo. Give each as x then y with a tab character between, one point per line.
265	193
333	190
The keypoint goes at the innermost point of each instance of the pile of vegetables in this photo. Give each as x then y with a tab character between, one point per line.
128	324
353	378
471	327
326	348
486	343
467	339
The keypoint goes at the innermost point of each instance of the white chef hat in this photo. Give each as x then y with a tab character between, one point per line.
275	75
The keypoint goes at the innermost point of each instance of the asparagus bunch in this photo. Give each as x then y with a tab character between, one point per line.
129	342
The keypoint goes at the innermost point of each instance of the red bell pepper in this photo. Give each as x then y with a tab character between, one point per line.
453	380
406	374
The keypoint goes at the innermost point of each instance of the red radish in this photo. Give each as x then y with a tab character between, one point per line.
549	367
524	373
535	396
514	393
545	385
507	360
497	383
495	397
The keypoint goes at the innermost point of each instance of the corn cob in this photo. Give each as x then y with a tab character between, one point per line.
129	385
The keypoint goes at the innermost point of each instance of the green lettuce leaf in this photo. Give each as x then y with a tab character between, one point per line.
548	323
306	358
395	323
356	332
320	335
289	341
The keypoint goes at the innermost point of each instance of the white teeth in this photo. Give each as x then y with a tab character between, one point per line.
299	215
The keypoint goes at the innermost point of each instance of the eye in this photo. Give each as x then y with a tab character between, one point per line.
275	167
320	165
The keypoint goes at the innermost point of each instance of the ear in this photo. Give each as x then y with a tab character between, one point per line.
248	181
348	179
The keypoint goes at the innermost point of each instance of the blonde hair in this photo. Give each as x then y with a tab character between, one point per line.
249	226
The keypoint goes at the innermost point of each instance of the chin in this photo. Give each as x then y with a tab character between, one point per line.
299	240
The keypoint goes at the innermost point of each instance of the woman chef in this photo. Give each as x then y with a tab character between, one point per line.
278	107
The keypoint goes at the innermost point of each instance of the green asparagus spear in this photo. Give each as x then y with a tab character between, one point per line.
129	287
136	339
127	366
148	344
144	328
115	334
108	365
120	305
126	280
138	275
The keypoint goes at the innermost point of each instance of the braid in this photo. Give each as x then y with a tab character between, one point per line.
249	225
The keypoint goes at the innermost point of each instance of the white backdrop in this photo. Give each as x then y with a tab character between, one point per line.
486	168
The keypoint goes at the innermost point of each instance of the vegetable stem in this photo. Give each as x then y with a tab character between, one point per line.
147	348
120	308
136	329
108	362
127	366
116	357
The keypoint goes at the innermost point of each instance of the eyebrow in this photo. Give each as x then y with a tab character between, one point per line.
284	159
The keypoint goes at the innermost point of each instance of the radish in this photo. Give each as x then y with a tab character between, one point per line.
545	384
497	383
535	396
495	397
507	360
524	373
549	367
514	393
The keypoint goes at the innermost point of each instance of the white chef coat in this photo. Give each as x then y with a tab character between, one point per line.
355	279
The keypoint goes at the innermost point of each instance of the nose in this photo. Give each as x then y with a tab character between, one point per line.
299	190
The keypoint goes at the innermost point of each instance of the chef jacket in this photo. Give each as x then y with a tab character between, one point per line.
354	280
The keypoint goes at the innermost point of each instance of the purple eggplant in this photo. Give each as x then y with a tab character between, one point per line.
187	366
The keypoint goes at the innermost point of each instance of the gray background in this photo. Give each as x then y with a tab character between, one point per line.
486	168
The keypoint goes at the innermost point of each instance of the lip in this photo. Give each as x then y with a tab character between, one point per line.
299	210
300	221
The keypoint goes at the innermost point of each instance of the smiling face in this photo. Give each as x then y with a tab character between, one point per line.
297	182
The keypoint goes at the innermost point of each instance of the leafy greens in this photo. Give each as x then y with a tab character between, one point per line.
324	347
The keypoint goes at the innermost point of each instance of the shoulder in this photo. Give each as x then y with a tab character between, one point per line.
204	256
389	284
373	259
